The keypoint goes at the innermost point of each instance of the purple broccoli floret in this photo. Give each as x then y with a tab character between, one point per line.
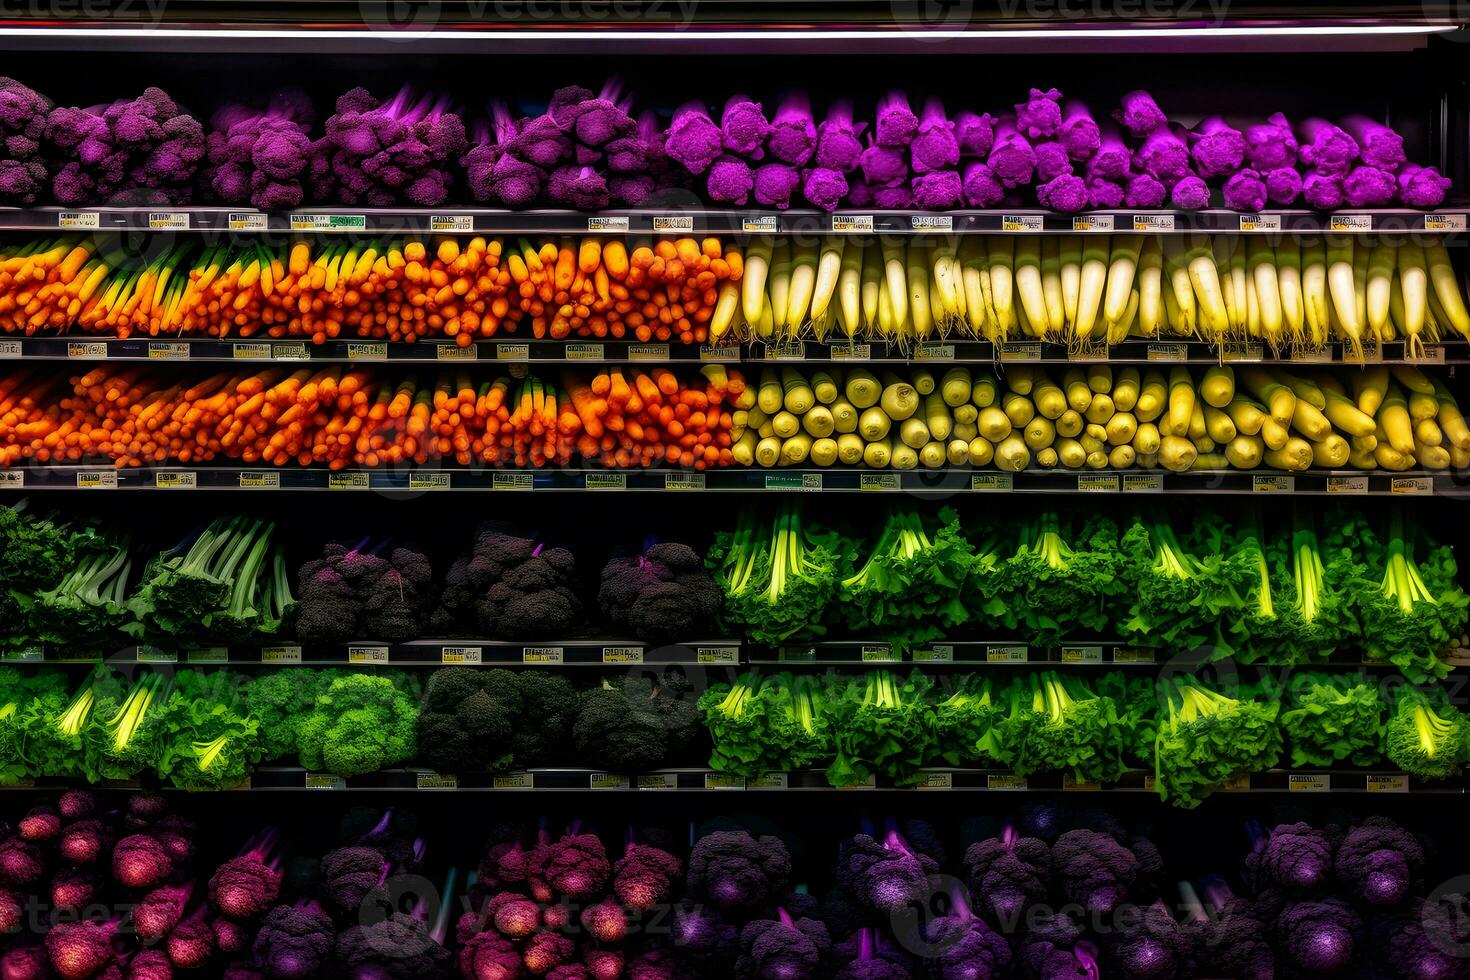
1322	191
1093	869
704	934
143	150
1326	148
896	122
884	164
733	871
1378	862
962	946
743	127
1041	114
1422	187
1283	185
774	185
1113	159
23	115
974	133
1140	114
1368	187
398	152
1051	161
793	135
838	145
693	140
1425	941
935	146
581	188
782	948
1065	193
730	181
261	157
1143	191
824	188
294	941
1163	154
1011	157
1009	873
885	874
1378	145
1079	134
1154	947
598	120
982	188
1103	194
1216	147
1295	857
937	191
1244	190
893	196
1319	936
1189	194
1270	144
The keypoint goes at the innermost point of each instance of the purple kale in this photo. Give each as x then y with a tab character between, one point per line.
510	586
1368	187
1244	190
730	181
1143	191
937	191
1065	193
1140	114
693	140
540	141
743	127
734	871
974	133
632	192
935	146
838	145
982	188
782	948
1378	862
1318	937
1232	937
1079	134
1040	115
774	185
793	136
896	122
1011	157
1422	187
1009	873
824	188
1270	144
355	592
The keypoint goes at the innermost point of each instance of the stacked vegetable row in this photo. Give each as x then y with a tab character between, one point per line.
202	730
588	150
1101	417
1093	418
1278	592
1081	290
393	289
1091	290
338	417
1193	737
72	588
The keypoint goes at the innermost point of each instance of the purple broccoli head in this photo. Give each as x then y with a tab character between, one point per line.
1368	187
793	136
1270	144
1065	193
1378	862
938	190
1283	185
838	145
1041	114
730	181
734	871
743	127
975	134
1189	194
935	146
1143	191
824	188
982	188
1245	191
1422	187
693	140
1009	873
774	185
896	122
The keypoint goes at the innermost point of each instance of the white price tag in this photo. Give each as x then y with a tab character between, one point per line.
1260	222
168	352
1021	222
583	352
328	222
92	349
245	221
852	222
513	780
361	351
512	481
513	352
1350	222
1097	483
12	479
1272	484
1020	351
673	222
451	222
79	219
168	221
1347	484
1092	222
1242	351
461	655
1082	655
879	653
937	653
760	223
931	222
934	352
606	780
771	780
1412	486
717	655
683	481
435	780
1005	782
367	654
1143	482
936	780
614	223
430	481
543	655
1430	354
606	481
324	780
1153	222
1308	782
658	780
648	352
727	352
1387	782
10	348
1003	654
251	352
291	351
622	655
848	351
1444	222
793	481
720	780
97	480
454	352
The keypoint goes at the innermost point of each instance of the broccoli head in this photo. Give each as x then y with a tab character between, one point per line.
1318	936
1093	869
620	729
782	948
510	587
1009	873
644	876
397	947
734	871
1294	857
294	941
661	596
361	723
349	875
575	866
884	875
548	706
462	726
1378	862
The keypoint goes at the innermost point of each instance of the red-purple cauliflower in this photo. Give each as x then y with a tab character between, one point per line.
644	876
575	866
140	861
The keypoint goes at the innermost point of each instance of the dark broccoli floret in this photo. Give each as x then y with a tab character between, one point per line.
781	948
349	874
1422	942
1153	947
157	912
548	706
734	871
486	954
509	587
462	727
1093	869
1378	861
644	876
1293	857
705	935
619	728
1319	936
1008	873
869	954
355	593
140	861
884	875
662	595
294	941
395	948
245	886
574	866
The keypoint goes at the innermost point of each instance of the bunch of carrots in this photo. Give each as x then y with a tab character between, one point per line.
338	417
395	290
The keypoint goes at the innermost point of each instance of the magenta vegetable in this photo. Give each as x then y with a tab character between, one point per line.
859	193
896	123
1270	144
1189	194
1283	186
730	181
743	127
1326	148
1040	115
937	190
774	185
1164	155
824	188
1112	159
597	120
1080	133
1378	146
693	139
1216	147
1322	191
935	146
1011	157
884	164
1143	191
1245	190
1140	114
793	137
894	196
1422	187
1065	193
838	146
982	188
1368	187
1104	194
1052	161
975	134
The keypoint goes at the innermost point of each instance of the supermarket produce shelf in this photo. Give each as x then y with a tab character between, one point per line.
287	778
85	348
688	217
947	480
580	652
